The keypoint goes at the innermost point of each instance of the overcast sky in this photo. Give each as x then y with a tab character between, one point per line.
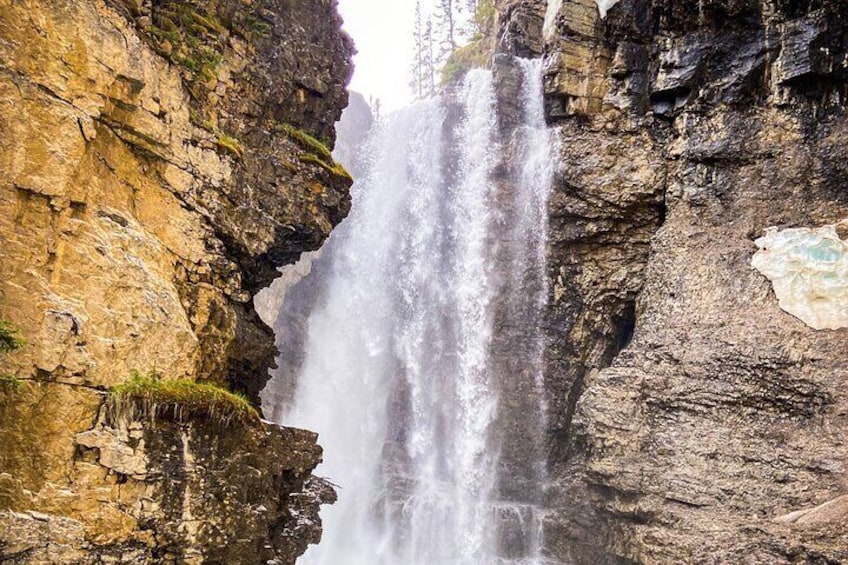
382	31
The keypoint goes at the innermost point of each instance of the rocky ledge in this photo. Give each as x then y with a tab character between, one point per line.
170	492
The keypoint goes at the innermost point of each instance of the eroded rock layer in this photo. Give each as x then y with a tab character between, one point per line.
158	161
688	411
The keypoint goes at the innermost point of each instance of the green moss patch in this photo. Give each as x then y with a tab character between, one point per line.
316	152
307	142
230	144
9	384
190	35
10	338
194	34
334	169
147	395
471	56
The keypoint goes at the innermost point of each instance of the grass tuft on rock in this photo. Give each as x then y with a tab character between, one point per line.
9	384
147	395
230	144
317	153
335	169
308	142
10	339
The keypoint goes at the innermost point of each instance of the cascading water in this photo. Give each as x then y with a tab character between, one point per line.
431	429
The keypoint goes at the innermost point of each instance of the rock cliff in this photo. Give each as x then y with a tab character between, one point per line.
159	160
692	419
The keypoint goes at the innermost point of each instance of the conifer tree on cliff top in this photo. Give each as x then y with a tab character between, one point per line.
435	38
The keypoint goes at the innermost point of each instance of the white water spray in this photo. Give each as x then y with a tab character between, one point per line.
399	378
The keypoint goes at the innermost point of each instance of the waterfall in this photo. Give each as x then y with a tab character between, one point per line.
422	363
551	14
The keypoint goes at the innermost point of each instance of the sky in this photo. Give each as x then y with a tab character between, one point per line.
382	31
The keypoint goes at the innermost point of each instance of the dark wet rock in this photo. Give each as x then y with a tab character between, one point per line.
689	415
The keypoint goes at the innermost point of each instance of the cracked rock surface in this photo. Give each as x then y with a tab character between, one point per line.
689	412
153	175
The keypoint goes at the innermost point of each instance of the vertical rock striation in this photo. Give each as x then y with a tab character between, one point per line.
159	161
688	411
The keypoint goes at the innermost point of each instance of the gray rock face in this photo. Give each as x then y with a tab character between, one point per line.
351	134
520	28
688	411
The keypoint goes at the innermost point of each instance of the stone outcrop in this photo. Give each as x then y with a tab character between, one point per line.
158	161
688	411
178	493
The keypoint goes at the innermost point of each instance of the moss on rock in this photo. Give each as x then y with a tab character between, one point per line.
148	395
335	169
307	141
230	144
9	383
471	56
190	35
10	339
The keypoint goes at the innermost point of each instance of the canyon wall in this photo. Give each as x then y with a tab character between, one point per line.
159	160
692	419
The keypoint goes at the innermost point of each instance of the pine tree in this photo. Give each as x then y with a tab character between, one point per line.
429	59
423	71
416	82
446	27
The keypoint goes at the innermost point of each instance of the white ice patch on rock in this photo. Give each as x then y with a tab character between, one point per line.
808	269
605	5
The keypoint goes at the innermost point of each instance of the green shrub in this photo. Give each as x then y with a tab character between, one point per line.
147	395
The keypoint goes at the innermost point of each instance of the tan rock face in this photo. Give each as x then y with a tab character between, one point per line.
141	207
144	492
688	410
